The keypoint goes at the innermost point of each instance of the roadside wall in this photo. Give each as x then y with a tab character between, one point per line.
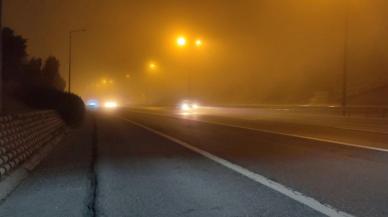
24	135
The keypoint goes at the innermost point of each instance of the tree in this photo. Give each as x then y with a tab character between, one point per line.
17	67
33	72
14	54
34	66
38	85
51	76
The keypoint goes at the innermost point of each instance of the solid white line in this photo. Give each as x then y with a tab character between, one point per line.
274	132
295	195
296	135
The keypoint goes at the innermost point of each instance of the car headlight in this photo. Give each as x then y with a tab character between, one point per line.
195	105
185	106
93	104
110	105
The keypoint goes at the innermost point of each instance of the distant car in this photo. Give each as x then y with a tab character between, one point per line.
188	105
92	104
111	104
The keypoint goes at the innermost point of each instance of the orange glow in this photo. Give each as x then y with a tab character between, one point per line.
152	65
110	104
181	41
198	43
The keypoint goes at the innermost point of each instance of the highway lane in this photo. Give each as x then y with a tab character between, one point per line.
116	168
378	140
143	174
349	179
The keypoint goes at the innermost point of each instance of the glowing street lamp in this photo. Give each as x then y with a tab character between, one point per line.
152	66
105	81
198	43
181	41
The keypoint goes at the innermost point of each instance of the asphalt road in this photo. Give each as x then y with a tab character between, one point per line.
348	178
113	167
143	174
319	127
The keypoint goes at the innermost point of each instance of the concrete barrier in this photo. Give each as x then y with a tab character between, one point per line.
23	139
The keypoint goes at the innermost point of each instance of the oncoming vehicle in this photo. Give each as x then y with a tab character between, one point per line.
188	106
92	104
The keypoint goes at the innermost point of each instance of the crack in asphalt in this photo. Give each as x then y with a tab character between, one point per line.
91	204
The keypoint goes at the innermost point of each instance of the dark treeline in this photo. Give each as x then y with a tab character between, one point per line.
29	72
37	82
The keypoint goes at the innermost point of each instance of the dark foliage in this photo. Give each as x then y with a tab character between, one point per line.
32	73
40	85
69	106
50	74
14	54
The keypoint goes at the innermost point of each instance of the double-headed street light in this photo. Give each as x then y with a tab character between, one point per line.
70	49
182	42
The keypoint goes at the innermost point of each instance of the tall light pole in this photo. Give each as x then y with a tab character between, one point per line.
1	57
182	42
345	72
70	47
151	67
198	43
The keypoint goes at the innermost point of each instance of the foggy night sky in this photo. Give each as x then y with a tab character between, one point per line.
254	51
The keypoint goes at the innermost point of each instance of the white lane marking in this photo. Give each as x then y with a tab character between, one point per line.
295	195
274	132
296	135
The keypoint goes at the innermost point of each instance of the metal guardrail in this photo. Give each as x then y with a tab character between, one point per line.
21	135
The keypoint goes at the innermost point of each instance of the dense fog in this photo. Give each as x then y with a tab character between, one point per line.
262	51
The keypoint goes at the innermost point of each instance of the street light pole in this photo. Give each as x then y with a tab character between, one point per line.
189	84
190	79
1	57
70	51
182	42
151	67
69	78
345	64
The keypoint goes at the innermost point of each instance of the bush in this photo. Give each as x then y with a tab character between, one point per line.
72	109
69	106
